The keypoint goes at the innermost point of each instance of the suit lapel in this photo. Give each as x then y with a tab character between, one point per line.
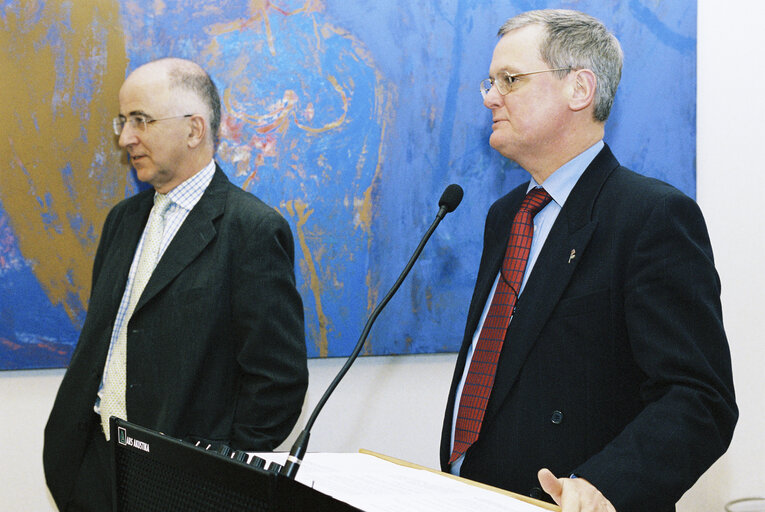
552	272
125	241
495	243
196	232
496	235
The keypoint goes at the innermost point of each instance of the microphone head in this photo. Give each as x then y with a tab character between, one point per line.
451	197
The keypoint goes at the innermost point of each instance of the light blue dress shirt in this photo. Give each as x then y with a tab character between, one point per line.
559	185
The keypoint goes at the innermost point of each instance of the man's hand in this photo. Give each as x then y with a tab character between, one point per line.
574	494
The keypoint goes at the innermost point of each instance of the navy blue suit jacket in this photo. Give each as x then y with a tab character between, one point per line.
616	365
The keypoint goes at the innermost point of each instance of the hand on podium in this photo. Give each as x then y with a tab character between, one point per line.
574	494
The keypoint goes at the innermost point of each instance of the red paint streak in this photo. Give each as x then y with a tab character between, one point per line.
231	128
8	343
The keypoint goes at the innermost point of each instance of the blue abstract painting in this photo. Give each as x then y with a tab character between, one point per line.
350	118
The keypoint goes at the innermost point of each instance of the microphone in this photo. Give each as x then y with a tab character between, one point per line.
450	199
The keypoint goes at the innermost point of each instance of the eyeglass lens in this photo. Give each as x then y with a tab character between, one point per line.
137	123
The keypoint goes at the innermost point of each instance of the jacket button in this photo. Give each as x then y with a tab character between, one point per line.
557	417
535	493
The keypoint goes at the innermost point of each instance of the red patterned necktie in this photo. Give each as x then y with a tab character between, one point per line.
480	378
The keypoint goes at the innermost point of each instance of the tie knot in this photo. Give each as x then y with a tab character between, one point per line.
535	200
161	203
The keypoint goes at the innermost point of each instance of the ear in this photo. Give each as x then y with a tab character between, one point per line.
584	85
197	131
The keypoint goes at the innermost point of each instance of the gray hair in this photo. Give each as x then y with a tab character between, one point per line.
185	75
577	40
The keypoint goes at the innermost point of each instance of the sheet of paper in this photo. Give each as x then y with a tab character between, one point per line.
373	484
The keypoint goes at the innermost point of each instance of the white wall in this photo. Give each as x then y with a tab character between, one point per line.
731	183
394	404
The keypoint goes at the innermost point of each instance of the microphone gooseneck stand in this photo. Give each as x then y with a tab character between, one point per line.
450	199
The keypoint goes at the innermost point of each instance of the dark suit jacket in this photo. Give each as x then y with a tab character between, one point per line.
615	366
216	345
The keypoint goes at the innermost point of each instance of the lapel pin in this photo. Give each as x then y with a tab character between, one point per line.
572	255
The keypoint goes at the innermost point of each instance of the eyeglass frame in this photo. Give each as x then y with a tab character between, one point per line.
119	122
511	80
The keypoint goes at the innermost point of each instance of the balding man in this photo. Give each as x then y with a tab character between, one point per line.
195	326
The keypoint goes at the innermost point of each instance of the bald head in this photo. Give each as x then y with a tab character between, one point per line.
192	88
170	112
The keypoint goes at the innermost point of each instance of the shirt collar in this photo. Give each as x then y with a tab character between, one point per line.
187	194
560	183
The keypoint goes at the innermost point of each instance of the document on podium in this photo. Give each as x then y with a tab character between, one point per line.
373	482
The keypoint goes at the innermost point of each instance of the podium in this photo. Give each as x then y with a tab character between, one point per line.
158	473
154	472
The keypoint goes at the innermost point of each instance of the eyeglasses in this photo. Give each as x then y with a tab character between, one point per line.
138	122
505	81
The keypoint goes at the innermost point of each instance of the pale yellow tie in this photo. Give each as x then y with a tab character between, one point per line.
113	392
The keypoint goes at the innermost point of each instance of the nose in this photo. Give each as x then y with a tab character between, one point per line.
493	98
127	136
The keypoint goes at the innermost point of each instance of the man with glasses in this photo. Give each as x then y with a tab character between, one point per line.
594	368
195	326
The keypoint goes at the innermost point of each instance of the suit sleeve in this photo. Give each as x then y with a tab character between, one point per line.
267	312
674	325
